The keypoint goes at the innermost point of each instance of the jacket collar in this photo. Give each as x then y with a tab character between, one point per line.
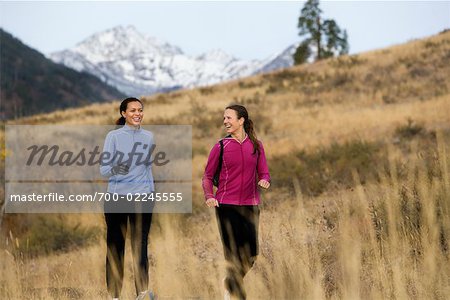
229	137
129	128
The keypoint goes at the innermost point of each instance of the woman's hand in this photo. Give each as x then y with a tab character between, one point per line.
264	184
211	202
121	169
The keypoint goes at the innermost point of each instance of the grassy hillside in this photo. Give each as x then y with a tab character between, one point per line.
366	95
358	149
31	83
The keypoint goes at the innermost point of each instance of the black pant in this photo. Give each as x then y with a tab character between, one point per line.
238	226
116	224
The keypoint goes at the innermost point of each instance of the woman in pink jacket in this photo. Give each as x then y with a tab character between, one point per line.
243	169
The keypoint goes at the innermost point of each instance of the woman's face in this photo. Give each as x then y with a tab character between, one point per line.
134	114
231	122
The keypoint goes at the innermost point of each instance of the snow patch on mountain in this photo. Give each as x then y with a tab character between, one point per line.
138	64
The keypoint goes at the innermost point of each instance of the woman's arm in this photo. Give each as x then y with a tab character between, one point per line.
210	170
151	169
106	164
262	168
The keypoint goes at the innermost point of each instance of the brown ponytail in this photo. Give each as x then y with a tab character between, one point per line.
242	112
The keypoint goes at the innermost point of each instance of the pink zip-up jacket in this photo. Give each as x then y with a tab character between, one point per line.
241	171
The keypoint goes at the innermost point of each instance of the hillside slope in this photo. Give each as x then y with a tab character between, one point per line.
31	83
364	95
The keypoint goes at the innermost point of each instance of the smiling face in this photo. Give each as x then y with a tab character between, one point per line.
232	124
134	114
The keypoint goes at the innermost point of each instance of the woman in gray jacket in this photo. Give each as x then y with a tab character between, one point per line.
130	178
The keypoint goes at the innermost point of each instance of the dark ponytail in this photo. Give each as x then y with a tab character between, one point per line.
248	127
242	112
120	121
123	107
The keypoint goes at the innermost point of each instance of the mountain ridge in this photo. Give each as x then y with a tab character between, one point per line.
32	84
138	64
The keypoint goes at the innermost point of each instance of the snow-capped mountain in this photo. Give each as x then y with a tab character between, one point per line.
137	64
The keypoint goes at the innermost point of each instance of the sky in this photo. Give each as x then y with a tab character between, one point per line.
246	30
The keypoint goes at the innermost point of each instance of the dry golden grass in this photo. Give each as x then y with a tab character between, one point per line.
386	239
356	244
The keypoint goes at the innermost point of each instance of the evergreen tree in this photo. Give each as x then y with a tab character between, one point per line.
302	53
323	38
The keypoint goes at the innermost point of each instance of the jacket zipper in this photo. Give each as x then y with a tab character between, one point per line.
242	176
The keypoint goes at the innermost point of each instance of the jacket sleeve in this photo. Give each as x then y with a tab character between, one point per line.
106	163
210	169
151	144
262	168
